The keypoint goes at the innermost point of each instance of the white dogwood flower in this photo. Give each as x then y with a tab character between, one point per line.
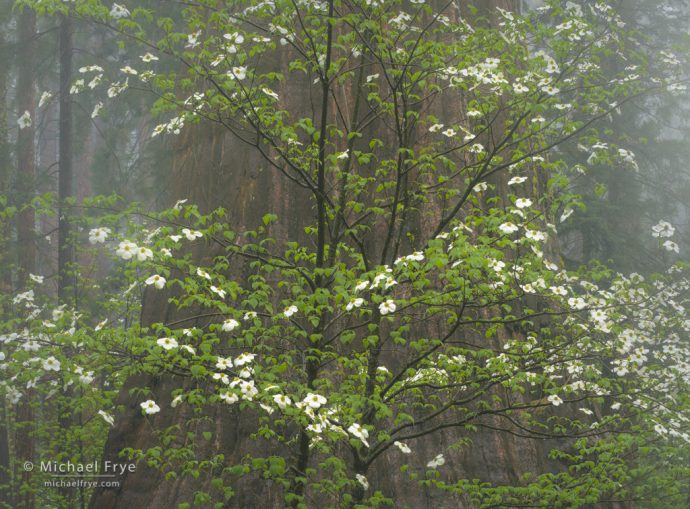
229	397
191	234
189	349
566	214
577	303
224	363
25	120
354	303
157	281
516	180
282	400
218	291
522	203
119	11
230	325
148	57
663	229
238	72
387	307
244	358
555	400
143	253
248	389
403	447
508	228
437	461
357	431
314	400
234	39
167	343
669	245
149	407
51	364
126	250
35	278
520	88
45	97
362	285
203	273
107	417
270	93
559	290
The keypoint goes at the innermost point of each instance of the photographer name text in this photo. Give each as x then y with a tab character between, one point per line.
109	468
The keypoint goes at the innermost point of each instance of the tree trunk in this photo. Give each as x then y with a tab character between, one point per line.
6	262
26	165
26	237
66	283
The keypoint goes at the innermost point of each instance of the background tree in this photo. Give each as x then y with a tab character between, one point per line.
5	278
26	225
652	129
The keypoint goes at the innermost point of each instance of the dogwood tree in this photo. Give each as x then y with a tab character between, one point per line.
421	303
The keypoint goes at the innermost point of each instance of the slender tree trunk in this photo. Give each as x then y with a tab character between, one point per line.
5	271
26	235
26	166
67	289
5	159
66	283
6	499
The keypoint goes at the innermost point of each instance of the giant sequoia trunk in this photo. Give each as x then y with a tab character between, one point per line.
212	168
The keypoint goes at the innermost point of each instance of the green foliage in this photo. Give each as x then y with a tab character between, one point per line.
424	293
